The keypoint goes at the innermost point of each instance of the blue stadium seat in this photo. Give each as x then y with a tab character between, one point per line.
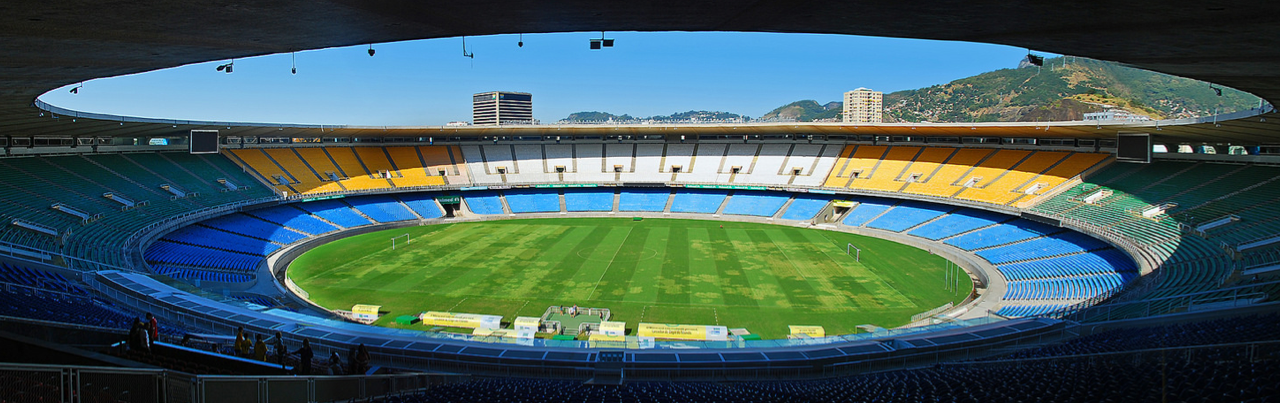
761	204
643	199
533	201
698	201
423	203
866	210
1001	234
382	208
483	202
958	222
215	239
908	214
244	224
588	199
335	211
806	206
295	219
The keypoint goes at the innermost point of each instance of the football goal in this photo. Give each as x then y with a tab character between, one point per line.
394	238
853	251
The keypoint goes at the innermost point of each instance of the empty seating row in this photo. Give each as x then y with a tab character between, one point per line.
245	224
178	254
1017	311
1081	287
293	219
588	200
215	239
908	214
697	201
335	211
1096	262
186	273
958	222
532	201
755	203
1000	234
381	208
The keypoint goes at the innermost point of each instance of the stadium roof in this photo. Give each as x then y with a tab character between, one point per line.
51	44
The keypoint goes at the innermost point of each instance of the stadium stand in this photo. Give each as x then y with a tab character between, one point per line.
290	218
907	215
483	202
422	203
336	212
643	199
588	200
806	206
246	225
867	210
170	253
755	203
381	208
532	201
697	201
1012	231
206	237
958	222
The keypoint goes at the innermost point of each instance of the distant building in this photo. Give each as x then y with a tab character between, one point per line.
502	108
863	106
1111	115
457	123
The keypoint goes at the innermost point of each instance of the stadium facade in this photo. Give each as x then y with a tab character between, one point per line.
93	213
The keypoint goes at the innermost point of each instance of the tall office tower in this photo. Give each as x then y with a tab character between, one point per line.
863	106
502	108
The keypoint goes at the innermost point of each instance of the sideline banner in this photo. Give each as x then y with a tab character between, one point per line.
466	320
683	332
368	312
807	331
527	322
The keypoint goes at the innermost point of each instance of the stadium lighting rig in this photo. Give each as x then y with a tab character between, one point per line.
1035	60
75	90
597	43
226	68
1216	90
371	51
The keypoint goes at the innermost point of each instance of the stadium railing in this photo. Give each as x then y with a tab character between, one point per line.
53	383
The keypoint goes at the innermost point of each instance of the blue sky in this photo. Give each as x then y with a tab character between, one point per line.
429	82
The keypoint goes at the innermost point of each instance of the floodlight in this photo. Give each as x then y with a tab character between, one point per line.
371	51
608	43
595	44
1035	60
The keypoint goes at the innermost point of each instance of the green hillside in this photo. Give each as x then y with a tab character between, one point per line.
1062	91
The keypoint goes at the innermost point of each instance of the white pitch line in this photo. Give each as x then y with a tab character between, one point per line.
606	267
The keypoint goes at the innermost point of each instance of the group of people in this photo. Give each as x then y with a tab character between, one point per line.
142	334
357	358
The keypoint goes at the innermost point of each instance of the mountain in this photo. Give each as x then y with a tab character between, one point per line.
690	116
805	111
1064	89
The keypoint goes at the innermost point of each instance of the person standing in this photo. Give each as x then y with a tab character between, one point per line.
281	352
259	348
242	343
153	327
304	357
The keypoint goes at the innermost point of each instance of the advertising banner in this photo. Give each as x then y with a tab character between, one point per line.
465	320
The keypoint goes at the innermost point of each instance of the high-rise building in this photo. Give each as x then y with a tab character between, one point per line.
502	108
863	106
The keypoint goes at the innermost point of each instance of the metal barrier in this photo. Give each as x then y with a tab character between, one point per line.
75	384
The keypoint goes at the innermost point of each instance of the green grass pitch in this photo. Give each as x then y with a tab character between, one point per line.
756	276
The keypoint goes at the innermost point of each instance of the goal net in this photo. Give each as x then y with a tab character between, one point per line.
402	243
853	251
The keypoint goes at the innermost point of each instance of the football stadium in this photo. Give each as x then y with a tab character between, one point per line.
141	258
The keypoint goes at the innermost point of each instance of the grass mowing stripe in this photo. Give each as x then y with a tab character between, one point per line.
616	280
705	284
882	290
560	279
735	288
798	290
539	277
674	280
583	283
764	284
455	262
821	273
503	266
644	283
